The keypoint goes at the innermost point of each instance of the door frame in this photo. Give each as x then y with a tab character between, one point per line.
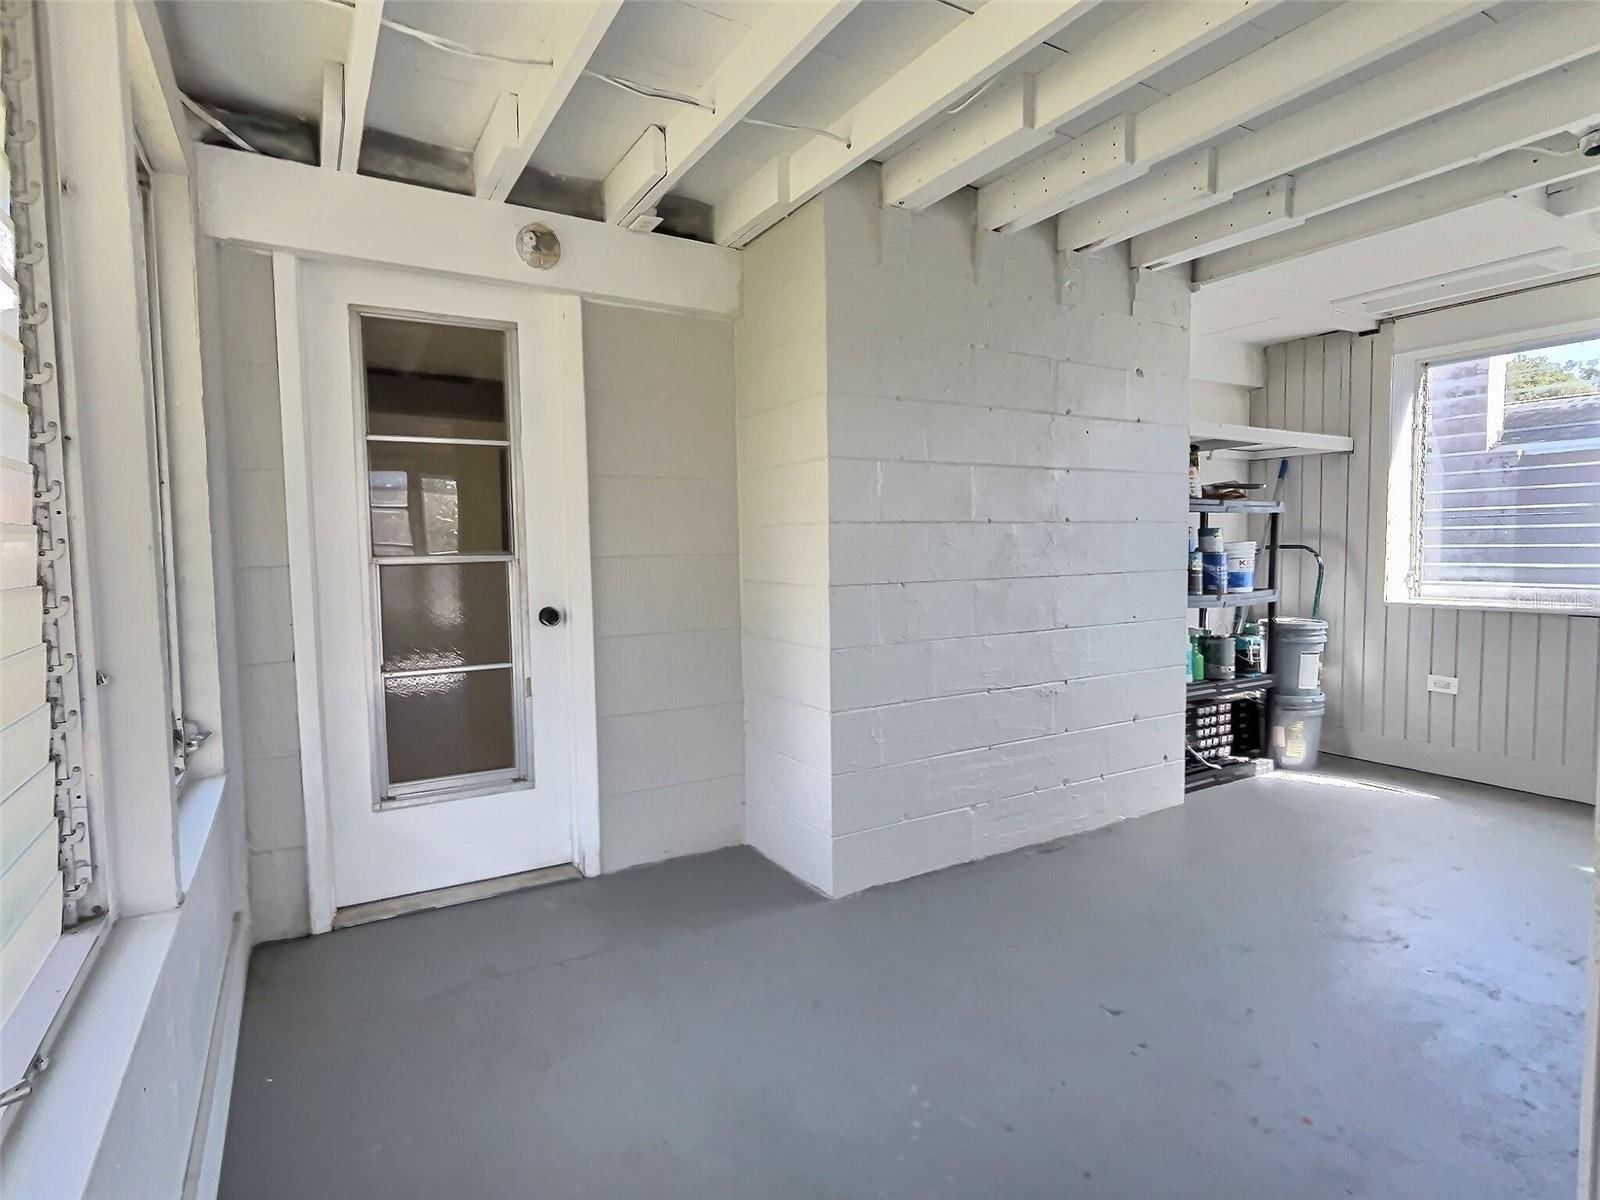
564	384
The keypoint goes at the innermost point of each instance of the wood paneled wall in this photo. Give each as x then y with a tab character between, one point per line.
1525	714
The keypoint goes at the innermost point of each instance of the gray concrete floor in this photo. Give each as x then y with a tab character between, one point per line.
1284	988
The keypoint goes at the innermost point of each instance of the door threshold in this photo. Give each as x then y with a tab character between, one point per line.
461	893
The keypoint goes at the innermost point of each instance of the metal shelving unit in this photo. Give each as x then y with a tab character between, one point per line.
1254	688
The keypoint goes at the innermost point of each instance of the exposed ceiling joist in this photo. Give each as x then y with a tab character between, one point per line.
768	53
1024	113
1575	198
987	42
1319	52
332	129
1503	122
366	22
1477	65
641	168
521	118
157	101
1450	192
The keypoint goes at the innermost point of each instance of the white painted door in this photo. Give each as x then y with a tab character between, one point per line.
442	520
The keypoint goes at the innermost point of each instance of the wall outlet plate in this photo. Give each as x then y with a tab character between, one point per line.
1448	685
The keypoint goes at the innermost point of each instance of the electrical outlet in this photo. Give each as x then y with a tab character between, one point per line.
1448	685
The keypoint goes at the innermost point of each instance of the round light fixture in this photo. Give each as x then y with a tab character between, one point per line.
538	246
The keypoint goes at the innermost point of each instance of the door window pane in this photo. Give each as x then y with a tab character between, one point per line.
438	615
458	723
430	380
438	498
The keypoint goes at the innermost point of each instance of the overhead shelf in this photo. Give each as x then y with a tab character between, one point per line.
1197	505
1256	443
1233	599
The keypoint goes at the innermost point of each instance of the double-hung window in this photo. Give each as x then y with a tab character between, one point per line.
1502	496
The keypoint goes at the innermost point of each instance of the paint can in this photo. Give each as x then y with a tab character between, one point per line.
1241	566
1250	650
1213	564
1218	650
1297	730
1196	568
1297	646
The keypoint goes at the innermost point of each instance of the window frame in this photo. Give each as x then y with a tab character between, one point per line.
385	794
1401	583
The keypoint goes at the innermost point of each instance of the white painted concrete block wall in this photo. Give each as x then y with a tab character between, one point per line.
274	808
1008	461
664	526
781	354
665	544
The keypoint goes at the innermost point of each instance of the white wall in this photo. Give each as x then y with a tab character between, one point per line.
664	527
665	545
1005	467
1525	715
781	343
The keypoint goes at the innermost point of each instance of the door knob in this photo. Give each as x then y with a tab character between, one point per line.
549	616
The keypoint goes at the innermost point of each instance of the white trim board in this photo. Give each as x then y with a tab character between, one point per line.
333	216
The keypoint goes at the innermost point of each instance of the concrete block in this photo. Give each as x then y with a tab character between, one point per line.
260	527
682	745
1109	699
274	804
795	730
803	792
633	516
280	903
651	434
1017	494
665	594
804	852
879	856
255	420
787	670
919	611
864	676
262	617
651	671
786	554
793	612
877	427
267	710
909	491
793	432
1021	381
666	822
787	493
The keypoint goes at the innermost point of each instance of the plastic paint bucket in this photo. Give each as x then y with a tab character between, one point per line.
1241	566
1296	654
1297	730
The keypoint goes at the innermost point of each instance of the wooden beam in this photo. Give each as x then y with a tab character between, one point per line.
768	53
1518	49
516	126
361	56
1319	52
641	168
271	204
1185	185
1447	193
999	128
157	101
984	44
1503	122
331	132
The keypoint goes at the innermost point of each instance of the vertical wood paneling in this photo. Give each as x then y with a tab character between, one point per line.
1520	685
1442	661
1583	674
1294	417
1550	690
1496	674
1526	710
1469	670
1354	569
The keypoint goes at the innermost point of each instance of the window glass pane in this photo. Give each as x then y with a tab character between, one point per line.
444	615
1510	469
449	724
430	380
431	498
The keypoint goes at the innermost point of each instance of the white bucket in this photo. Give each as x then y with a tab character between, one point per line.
1241	566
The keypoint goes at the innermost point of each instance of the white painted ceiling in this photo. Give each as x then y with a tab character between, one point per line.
266	57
